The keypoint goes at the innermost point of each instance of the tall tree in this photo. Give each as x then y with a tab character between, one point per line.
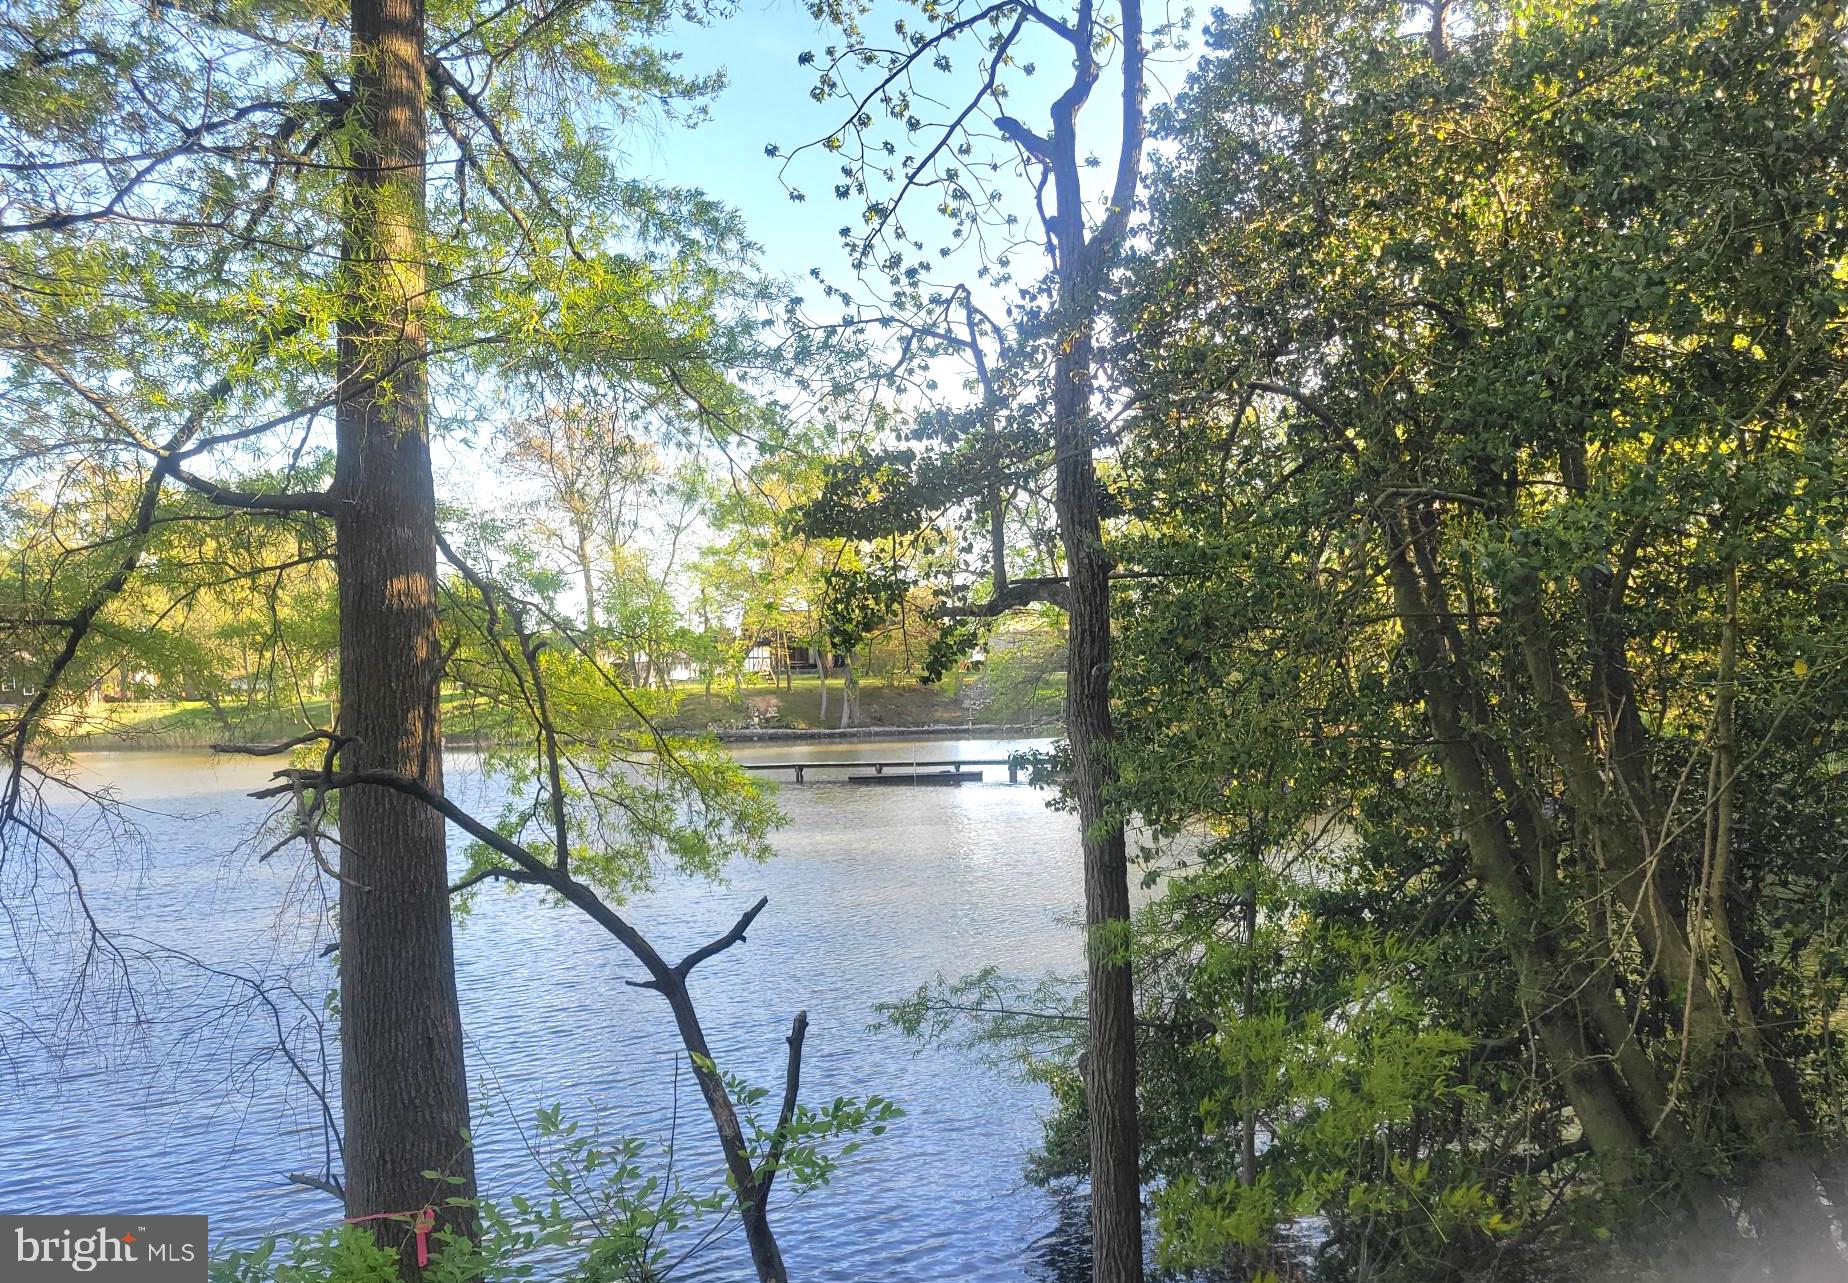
1488	386
217	230
1083	232
404	1086
1084	255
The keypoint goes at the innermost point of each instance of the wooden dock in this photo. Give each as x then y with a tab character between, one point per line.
951	777
911	771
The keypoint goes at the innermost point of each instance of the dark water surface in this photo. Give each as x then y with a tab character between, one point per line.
162	1100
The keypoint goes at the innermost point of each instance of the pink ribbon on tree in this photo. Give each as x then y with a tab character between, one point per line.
422	1222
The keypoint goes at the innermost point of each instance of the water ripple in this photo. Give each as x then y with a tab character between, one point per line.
183	1108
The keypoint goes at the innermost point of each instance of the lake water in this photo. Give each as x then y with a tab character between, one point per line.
161	1100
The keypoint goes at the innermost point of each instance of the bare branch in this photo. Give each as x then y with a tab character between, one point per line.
326	1184
1052	590
314	501
724	942
792	1084
273	750
496	873
1129	156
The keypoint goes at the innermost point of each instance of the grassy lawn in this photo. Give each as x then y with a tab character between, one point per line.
904	703
171	723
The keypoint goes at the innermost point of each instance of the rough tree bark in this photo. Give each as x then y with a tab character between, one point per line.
1110	1059
1110	1062
404	1090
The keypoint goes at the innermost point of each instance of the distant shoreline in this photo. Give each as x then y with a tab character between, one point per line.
799	712
202	739
938	730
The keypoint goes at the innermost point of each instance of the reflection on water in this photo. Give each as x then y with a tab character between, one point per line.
181	1106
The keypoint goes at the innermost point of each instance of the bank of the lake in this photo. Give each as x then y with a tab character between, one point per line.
752	711
182	1105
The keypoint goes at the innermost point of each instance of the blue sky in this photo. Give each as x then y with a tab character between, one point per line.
767	102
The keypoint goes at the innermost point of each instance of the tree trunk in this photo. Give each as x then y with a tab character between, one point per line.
850	695
1110	1060
404	1090
1247	1075
588	575
1589	1085
1790	1219
753	1214
1083	257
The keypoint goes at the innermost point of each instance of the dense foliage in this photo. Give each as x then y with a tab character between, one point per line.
1486	476
1477	503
